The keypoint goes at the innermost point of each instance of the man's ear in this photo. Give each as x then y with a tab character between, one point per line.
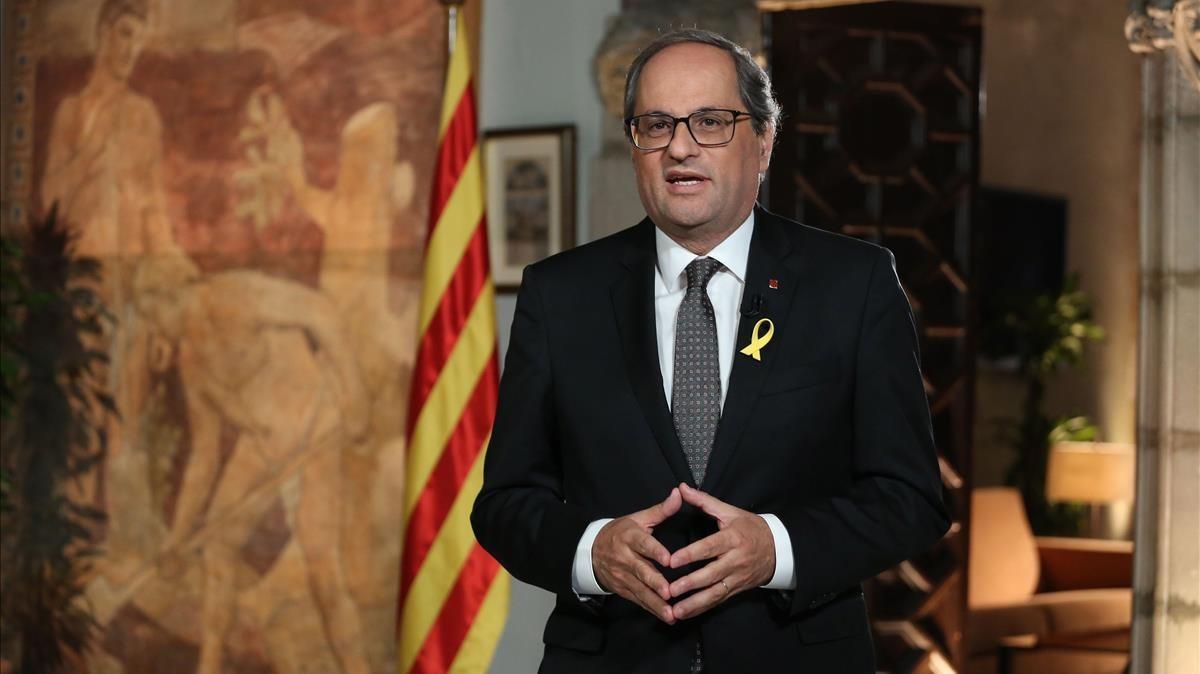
766	143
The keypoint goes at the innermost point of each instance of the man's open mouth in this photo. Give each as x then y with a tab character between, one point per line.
685	179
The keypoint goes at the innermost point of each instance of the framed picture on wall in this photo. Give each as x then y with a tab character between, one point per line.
530	197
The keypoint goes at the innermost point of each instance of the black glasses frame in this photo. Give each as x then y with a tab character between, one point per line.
630	121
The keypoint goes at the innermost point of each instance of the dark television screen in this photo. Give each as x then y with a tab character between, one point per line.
1020	252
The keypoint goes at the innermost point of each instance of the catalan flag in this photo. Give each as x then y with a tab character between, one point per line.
453	594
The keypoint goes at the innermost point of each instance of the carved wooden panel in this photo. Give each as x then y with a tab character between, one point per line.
880	141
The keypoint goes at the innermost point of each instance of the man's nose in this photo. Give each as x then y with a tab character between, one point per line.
682	144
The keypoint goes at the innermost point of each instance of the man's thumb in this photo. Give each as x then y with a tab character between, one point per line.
672	504
659	512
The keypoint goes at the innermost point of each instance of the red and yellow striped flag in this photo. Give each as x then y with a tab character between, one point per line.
453	594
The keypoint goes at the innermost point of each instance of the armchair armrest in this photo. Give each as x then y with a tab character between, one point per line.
1084	563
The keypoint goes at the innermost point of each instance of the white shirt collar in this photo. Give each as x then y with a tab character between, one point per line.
733	253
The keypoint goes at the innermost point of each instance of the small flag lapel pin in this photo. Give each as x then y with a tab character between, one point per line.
773	284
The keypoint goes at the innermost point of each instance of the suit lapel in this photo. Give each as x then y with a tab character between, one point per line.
633	303
770	258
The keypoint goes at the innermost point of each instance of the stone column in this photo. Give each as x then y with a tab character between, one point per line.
1166	621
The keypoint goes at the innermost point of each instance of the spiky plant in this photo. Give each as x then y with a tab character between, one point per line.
55	409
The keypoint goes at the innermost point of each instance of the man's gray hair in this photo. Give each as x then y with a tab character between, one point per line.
754	85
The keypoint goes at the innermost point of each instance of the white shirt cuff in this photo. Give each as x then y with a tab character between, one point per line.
583	577
785	569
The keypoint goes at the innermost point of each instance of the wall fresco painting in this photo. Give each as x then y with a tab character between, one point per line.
252	175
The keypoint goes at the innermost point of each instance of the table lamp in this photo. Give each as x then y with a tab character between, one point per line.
1092	472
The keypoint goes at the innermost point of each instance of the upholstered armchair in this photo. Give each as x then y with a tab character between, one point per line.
1045	587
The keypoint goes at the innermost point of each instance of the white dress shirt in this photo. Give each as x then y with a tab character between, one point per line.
725	293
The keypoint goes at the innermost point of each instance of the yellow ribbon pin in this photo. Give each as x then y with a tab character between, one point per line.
757	341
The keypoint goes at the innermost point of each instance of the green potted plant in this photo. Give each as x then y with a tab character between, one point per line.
1051	332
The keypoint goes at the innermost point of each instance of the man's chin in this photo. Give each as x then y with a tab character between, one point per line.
686	219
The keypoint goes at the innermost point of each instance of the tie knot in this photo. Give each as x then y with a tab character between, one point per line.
700	271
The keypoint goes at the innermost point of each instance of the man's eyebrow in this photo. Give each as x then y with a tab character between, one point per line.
706	108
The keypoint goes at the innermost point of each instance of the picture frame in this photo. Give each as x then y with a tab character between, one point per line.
530	175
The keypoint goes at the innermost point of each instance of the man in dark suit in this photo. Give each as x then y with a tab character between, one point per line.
711	426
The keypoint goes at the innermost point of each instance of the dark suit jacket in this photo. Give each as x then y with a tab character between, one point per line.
830	431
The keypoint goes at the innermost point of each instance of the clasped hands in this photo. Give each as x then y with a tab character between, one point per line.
742	553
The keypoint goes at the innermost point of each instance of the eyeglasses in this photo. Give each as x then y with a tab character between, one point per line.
709	128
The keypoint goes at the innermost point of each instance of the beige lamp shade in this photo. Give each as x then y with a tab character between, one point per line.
1093	472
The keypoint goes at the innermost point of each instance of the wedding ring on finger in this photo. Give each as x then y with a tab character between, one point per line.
726	586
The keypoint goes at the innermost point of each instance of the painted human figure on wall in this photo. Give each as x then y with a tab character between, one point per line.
270	359
356	218
104	170
104	157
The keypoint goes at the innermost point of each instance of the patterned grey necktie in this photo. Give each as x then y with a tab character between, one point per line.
696	392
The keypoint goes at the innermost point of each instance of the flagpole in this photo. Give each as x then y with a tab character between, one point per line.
452	8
